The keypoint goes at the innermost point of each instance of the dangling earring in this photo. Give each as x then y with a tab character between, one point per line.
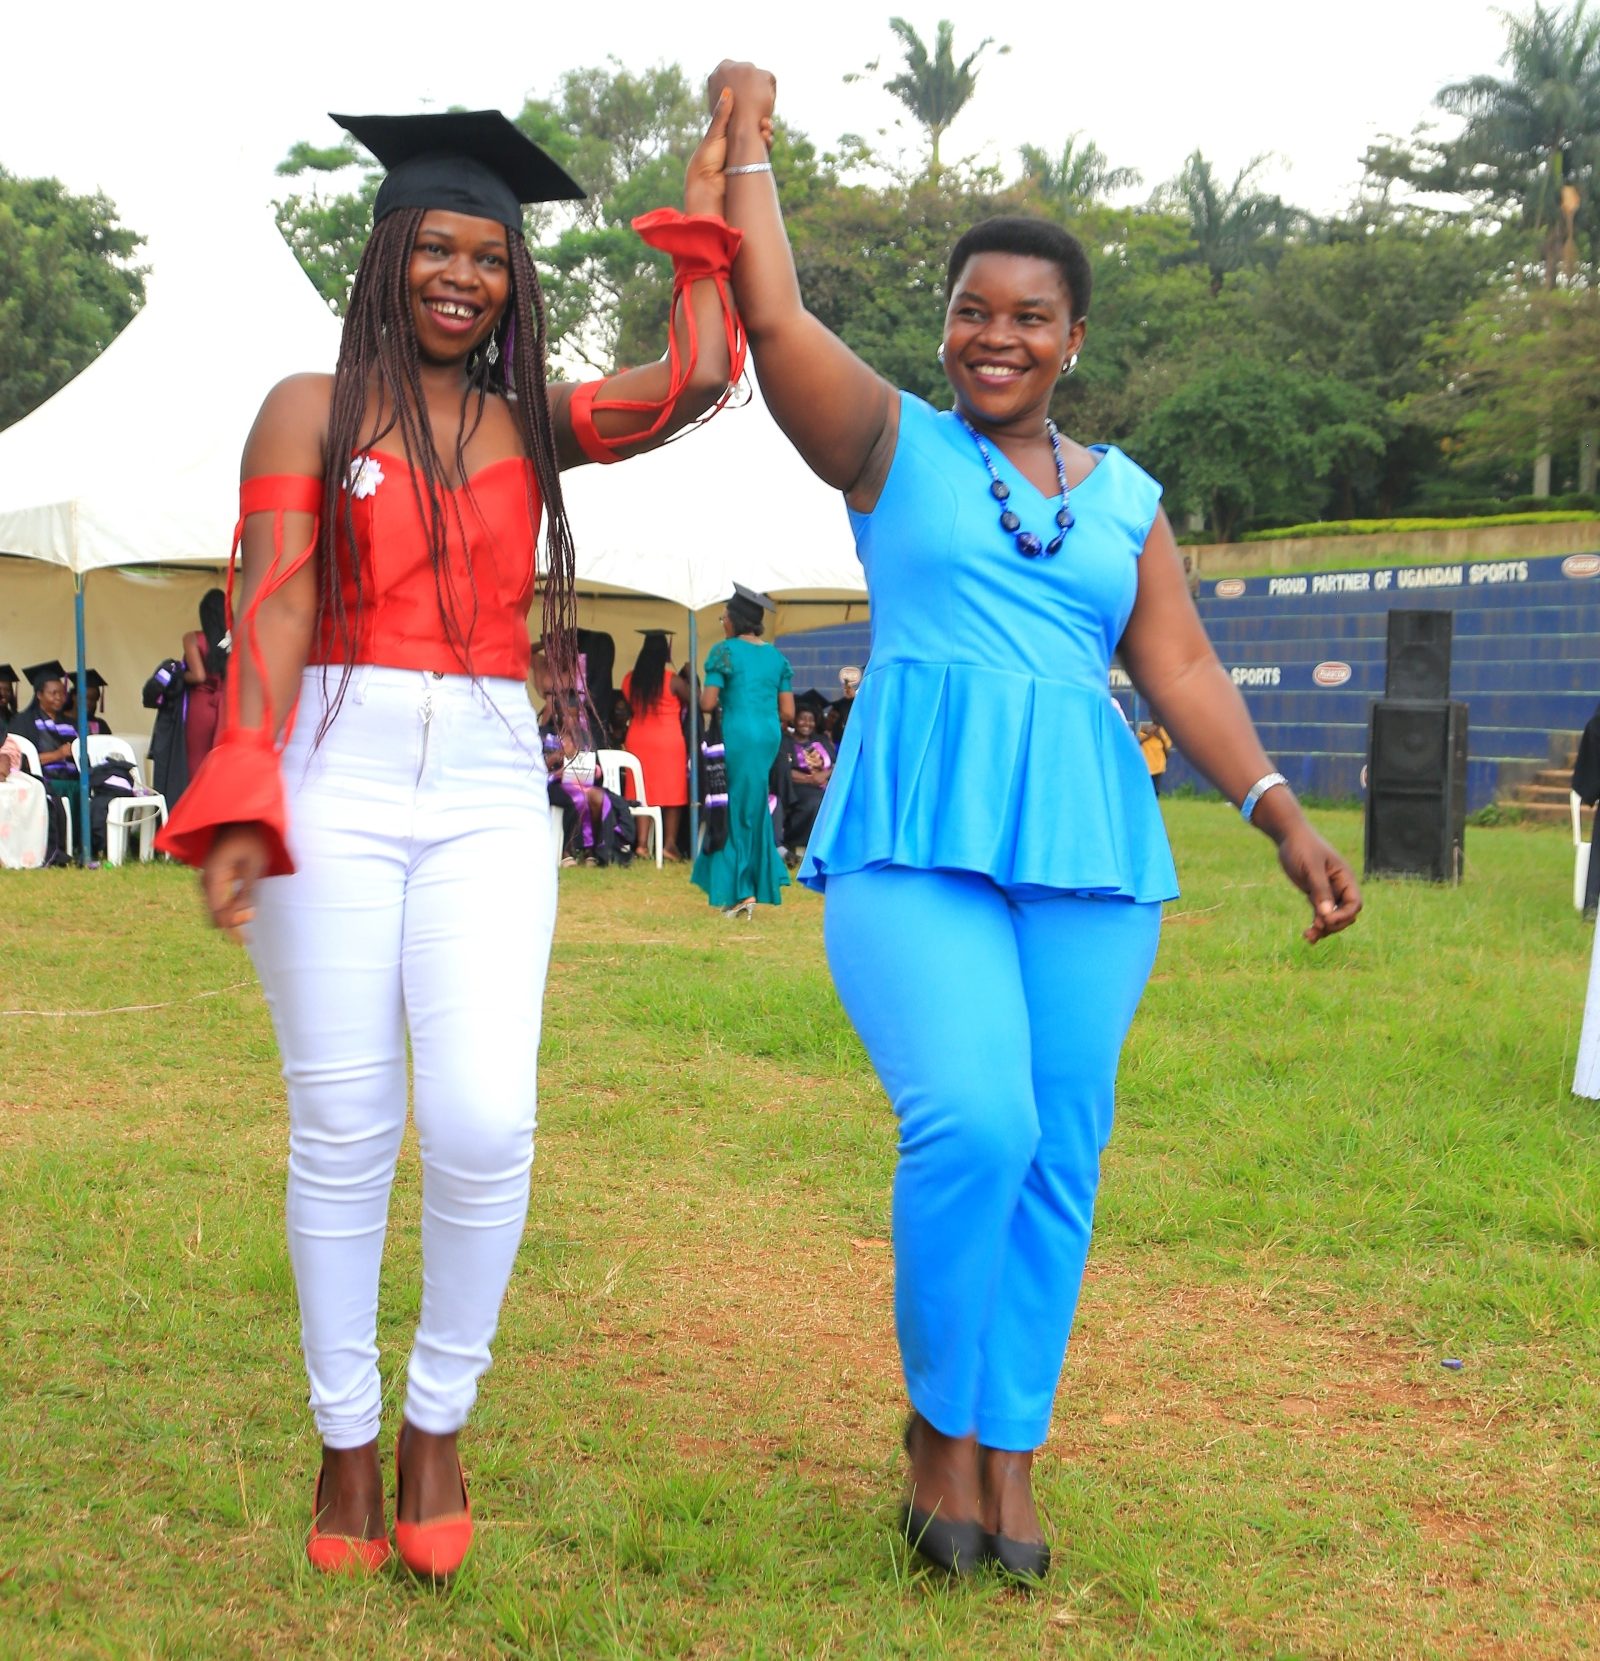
491	352
940	353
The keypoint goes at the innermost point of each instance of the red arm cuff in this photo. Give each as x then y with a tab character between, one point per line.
702	247
701	244
239	783
581	410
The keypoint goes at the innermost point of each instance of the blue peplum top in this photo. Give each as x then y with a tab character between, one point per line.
984	736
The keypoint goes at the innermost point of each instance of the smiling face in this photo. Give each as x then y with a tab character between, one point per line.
1007	332
805	723
459	278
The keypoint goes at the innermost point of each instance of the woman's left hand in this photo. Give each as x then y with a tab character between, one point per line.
705	185
1315	867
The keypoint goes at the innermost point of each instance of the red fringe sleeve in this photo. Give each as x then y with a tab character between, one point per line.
703	248
240	782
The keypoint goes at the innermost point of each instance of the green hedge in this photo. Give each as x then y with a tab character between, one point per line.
1390	527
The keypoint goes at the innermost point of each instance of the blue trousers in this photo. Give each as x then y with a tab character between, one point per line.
995	1023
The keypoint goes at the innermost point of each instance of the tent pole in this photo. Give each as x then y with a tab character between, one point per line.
694	734
84	847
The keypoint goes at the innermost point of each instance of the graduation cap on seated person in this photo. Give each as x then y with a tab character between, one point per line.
41	674
93	677
813	700
463	161
653	634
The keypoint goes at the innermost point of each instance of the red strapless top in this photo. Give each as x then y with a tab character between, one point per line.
491	530
491	542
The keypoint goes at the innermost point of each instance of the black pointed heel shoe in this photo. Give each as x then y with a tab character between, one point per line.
1027	1561
957	1548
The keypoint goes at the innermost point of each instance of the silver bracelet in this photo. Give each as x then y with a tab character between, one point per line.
1256	792
750	167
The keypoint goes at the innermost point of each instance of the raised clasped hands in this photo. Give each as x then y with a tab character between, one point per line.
740	98
1318	871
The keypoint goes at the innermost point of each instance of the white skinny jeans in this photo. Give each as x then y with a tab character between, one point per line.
423	900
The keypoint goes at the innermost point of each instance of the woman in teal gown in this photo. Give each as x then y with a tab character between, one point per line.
750	681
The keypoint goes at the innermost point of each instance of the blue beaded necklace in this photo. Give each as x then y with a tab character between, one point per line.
1027	543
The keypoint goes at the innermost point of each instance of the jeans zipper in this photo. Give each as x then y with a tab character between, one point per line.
425	709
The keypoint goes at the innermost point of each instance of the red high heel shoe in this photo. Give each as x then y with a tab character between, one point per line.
342	1553
434	1549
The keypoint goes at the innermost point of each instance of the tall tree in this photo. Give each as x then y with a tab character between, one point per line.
1080	177
933	86
1245	438
1528	149
1365	303
1234	225
67	287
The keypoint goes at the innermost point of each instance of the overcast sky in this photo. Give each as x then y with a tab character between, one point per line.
170	108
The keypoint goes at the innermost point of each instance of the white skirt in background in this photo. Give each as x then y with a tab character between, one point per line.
1586	1082
24	822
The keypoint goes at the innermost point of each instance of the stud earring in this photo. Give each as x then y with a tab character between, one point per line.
940	353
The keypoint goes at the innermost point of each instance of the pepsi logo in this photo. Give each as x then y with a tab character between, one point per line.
1230	588
1574	565
1332	673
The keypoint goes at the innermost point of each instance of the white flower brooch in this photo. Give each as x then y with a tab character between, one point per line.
365	476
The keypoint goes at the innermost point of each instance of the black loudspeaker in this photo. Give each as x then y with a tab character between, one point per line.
1419	655
1416	789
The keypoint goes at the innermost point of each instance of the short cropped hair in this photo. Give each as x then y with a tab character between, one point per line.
1035	239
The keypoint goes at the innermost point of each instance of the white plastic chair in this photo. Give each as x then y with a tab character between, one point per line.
1580	852
30	754
613	764
143	815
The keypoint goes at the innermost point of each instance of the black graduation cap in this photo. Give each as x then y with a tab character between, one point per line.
813	700
651	634
40	674
751	597
464	161
93	677
7	673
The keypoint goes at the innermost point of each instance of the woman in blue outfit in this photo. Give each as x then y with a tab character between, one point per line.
750	681
992	855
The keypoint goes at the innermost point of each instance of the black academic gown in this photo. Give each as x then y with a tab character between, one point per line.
1586	781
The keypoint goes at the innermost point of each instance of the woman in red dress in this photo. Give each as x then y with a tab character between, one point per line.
382	855
657	697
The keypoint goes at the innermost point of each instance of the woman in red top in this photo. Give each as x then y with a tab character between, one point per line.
657	697
387	857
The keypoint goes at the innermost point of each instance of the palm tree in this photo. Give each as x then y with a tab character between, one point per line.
1530	142
1529	149
1231	226
1080	176
934	87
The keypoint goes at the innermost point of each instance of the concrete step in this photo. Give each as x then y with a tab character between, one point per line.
1541	813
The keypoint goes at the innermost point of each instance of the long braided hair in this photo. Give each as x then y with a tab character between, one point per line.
379	344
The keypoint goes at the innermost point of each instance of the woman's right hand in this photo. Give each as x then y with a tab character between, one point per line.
755	94
237	861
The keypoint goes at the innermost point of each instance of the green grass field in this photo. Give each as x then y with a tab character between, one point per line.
1333	1170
